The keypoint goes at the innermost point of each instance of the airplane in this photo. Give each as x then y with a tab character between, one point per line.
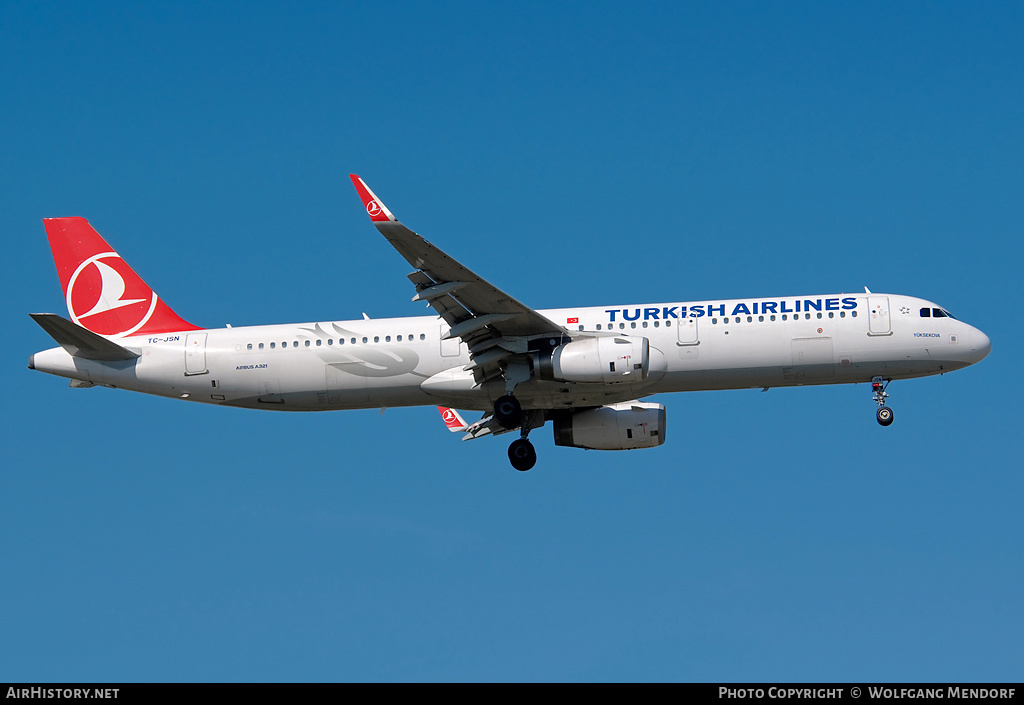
584	369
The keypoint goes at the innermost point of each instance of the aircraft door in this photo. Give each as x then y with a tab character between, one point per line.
687	331
195	354
878	316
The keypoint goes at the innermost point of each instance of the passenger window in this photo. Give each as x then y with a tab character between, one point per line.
399	339
249	346
714	321
853	313
783	317
307	343
581	327
773	316
423	336
808	316
831	314
599	326
353	341
295	343
387	339
273	345
645	324
330	341
621	326
760	319
319	342
750	319
376	338
819	315
656	324
261	346
365	339
842	314
926	313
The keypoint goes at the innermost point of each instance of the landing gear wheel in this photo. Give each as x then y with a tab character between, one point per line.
508	412
522	455
878	387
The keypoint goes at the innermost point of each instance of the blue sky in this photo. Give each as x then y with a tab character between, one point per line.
573	154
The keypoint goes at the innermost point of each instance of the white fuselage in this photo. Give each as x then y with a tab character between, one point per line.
405	361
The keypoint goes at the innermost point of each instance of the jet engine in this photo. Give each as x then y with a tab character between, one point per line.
632	424
619	358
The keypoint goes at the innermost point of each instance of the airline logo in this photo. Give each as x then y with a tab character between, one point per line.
107	297
452	419
374	208
655	313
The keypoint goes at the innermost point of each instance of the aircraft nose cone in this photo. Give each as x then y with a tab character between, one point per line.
980	345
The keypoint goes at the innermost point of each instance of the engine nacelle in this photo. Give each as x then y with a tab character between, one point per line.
618	358
632	424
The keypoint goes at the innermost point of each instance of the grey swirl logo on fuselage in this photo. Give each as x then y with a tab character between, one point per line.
369	360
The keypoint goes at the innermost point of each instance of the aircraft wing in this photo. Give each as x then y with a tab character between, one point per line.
479	313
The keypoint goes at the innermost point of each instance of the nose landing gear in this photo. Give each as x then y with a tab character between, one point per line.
884	414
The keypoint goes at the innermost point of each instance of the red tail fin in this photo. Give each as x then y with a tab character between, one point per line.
103	293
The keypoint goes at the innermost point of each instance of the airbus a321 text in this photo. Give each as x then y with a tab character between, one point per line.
582	369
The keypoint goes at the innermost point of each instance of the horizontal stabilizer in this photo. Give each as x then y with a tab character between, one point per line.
80	342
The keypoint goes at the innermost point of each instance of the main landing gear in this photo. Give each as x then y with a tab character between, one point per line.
884	414
522	454
509	413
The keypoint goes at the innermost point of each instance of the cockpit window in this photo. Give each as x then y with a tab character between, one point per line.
936	313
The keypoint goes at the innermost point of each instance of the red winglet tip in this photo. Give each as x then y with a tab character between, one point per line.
374	208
